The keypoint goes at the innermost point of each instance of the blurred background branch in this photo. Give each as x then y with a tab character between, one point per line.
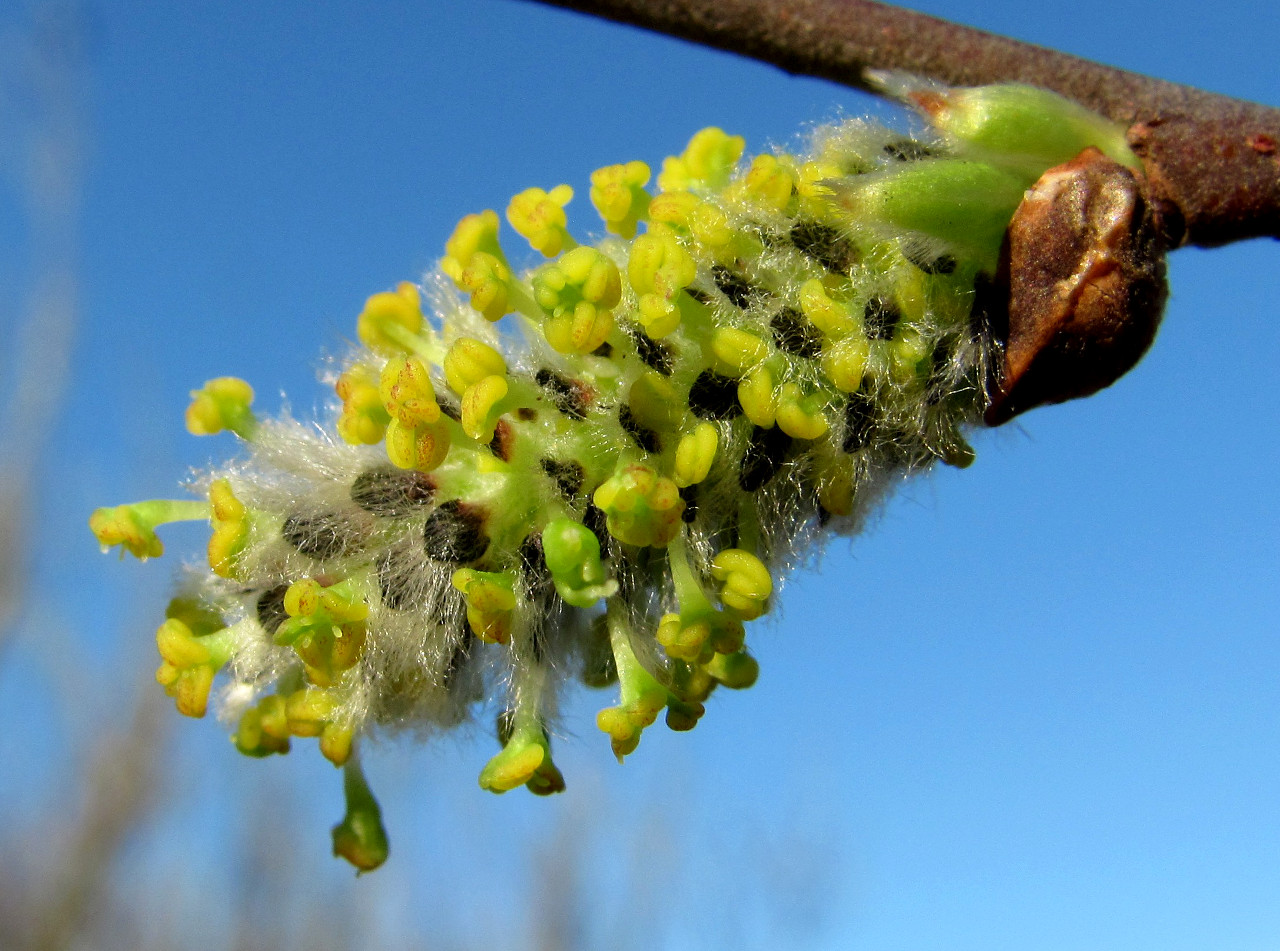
42	131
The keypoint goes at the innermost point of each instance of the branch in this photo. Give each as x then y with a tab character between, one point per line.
1213	163
1082	282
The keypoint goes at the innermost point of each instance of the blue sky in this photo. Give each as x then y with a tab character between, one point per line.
1035	707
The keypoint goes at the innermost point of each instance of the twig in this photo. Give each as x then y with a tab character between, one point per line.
1083	298
1213	162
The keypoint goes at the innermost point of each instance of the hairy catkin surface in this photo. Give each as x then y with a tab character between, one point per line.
598	470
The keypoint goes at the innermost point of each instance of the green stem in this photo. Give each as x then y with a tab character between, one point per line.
689	592
163	511
426	346
633	679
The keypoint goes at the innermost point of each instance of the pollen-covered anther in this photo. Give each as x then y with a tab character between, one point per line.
801	415
491	602
469	361
745	582
263	729
474	234
617	191
133	527
312	711
572	555
222	403
674	209
681	640
845	362
577	293
812	187
625	723
481	407
908	355
391	320
705	221
659	268
737	351
769	183
189	661
525	759
422	447
407	395
642	698
654	403
705	164
641	507
364	419
695	453
737	670
758	397
123	525
230	520
713	229
835	485
326	628
359	837
488	280
834	318
539	216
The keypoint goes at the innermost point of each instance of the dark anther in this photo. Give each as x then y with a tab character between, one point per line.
450	408
764	456
656	356
930	264
793	333
859	421
533	567
567	476
392	492
770	237
398	578
504	437
503	725
880	318
733	286
646	439
605	350
271	612
597	523
458	659
714	396
824	244
566	395
939	368
323	536
599	669
454	532
907	150
538	642
690	496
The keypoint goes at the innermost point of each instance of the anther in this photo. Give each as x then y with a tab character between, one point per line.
764	456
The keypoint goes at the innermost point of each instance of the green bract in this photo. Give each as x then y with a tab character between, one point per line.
760	350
